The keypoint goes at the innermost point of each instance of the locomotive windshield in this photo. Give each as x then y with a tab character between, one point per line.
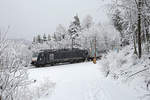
34	57
35	54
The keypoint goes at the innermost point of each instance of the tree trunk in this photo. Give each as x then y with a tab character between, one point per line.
135	50
72	44
139	28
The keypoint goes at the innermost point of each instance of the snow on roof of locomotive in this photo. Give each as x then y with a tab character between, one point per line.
57	50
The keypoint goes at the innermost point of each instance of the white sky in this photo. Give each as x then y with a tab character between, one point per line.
29	17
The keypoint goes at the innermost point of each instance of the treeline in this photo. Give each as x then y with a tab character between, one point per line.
62	33
79	34
132	19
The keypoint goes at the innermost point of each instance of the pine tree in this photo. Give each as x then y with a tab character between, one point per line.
34	39
49	37
44	38
121	25
39	40
118	21
55	37
74	29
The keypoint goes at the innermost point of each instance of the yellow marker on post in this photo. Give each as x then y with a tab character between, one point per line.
94	60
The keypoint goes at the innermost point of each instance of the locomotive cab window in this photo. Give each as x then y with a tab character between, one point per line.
41	57
51	56
35	54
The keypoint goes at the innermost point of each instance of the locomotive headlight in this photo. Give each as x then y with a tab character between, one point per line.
34	59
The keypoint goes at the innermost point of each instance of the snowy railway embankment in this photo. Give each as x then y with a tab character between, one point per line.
82	81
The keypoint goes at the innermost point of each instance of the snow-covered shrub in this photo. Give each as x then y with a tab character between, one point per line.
117	63
14	57
126	66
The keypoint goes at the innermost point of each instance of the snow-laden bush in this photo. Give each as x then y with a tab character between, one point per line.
117	64
126	66
14	57
14	82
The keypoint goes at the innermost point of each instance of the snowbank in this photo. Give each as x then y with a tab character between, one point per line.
125	66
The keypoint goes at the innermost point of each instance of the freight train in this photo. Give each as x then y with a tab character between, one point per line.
52	57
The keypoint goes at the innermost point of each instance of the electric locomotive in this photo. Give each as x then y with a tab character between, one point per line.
52	56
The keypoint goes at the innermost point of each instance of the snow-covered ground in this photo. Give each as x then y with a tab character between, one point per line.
82	81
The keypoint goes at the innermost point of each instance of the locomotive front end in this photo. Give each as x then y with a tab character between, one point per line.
34	58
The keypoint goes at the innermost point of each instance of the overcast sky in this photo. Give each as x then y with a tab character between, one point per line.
29	17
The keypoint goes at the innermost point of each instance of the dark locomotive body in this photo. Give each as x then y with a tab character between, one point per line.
59	56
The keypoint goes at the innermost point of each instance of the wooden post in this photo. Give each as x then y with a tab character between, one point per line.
94	60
